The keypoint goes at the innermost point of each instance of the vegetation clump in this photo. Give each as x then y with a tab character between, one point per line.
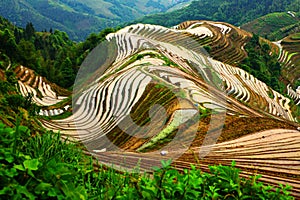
44	166
50	54
262	64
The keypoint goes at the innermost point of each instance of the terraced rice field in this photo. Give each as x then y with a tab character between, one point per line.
155	88
43	92
224	40
290	57
295	95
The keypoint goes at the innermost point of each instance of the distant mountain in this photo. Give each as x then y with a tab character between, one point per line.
275	26
79	18
236	12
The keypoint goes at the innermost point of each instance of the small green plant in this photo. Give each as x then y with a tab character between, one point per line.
38	167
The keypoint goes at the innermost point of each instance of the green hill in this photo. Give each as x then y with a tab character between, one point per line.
275	26
234	12
79	18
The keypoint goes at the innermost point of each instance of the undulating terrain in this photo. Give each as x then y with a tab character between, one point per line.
275	26
79	18
233	12
149	89
211	88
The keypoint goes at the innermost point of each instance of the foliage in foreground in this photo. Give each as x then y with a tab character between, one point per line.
46	167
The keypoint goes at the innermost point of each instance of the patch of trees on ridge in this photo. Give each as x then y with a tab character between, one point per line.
261	64
50	53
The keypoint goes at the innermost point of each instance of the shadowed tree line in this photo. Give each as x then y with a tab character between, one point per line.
50	53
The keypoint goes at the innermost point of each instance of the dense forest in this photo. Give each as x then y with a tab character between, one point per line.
235	12
50	53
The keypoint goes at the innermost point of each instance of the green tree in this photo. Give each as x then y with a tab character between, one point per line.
67	73
261	64
29	31
27	54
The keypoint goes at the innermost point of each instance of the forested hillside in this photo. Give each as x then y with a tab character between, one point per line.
275	26
81	17
51	54
235	12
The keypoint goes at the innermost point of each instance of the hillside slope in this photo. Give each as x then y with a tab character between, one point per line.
79	18
233	12
275	26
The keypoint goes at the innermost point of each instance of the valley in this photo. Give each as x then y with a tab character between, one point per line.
79	18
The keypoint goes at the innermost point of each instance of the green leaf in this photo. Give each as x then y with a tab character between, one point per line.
30	173
155	168
31	164
19	167
11	172
53	192
233	164
166	163
23	129
23	190
148	194
27	157
8	157
81	193
245	197
42	187
192	194
5	190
